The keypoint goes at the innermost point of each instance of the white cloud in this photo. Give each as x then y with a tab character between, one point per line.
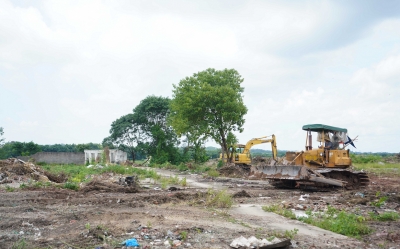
76	66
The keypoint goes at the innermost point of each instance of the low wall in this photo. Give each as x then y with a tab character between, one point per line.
57	157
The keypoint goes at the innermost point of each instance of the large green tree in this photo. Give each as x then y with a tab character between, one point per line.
160	140
146	131
125	134
209	104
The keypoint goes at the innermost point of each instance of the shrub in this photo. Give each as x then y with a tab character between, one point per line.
280	210
387	216
71	185
218	199
213	173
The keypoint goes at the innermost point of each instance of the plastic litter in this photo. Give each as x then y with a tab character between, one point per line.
130	242
359	194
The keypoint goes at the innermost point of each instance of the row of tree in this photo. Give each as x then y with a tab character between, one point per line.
207	105
14	149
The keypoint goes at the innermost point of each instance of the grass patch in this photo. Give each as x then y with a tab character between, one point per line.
280	210
379	168
339	222
218	199
387	216
71	185
10	189
333	220
20	244
213	173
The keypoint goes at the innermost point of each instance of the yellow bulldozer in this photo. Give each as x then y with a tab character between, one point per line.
241	152
325	166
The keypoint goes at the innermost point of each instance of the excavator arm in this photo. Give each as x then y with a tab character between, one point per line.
262	140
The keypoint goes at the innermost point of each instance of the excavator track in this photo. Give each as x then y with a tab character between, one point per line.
302	177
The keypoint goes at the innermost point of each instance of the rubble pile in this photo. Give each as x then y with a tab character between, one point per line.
232	170
15	170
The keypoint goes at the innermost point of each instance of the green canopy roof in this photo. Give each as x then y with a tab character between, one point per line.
322	127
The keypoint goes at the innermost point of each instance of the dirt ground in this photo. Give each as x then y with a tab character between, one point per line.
99	216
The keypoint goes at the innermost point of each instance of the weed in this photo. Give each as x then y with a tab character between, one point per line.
10	189
339	222
182	167
149	224
213	173
23	185
87	226
70	185
164	183
174	180
183	235
183	182
387	216
280	210
220	164
290	234
380	202
218	199
38	184
20	244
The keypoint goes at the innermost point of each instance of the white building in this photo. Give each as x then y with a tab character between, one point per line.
115	156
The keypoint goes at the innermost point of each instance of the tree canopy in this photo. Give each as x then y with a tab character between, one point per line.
146	131
209	104
1	136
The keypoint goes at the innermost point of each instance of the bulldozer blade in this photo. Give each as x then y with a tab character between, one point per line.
292	172
289	172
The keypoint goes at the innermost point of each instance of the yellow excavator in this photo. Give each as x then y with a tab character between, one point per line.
241	153
316	168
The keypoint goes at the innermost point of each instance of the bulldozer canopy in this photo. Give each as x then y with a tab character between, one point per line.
322	127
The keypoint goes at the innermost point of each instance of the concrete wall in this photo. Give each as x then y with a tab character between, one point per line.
57	157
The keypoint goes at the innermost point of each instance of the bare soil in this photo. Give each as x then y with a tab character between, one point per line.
103	214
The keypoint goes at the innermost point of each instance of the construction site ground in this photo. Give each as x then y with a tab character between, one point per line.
103	216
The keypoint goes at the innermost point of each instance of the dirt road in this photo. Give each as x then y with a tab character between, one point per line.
59	218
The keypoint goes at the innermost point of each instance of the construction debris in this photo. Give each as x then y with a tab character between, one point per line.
253	242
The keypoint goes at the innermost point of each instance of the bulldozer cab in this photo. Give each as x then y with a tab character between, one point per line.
330	152
329	137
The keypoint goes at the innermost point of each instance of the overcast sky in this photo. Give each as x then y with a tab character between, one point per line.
70	68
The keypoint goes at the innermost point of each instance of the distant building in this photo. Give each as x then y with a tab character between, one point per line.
114	156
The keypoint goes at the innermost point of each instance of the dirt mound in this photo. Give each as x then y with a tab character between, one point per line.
232	170
13	169
241	194
102	186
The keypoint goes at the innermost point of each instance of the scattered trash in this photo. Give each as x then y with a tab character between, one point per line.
359	194
302	197
253	242
130	242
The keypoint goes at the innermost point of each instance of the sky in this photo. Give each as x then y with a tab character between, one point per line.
68	69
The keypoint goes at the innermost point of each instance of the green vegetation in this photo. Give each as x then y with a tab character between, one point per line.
213	173
339	222
208	104
387	216
20	244
280	210
333	220
379	168
218	199
10	189
71	185
289	234
183	235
